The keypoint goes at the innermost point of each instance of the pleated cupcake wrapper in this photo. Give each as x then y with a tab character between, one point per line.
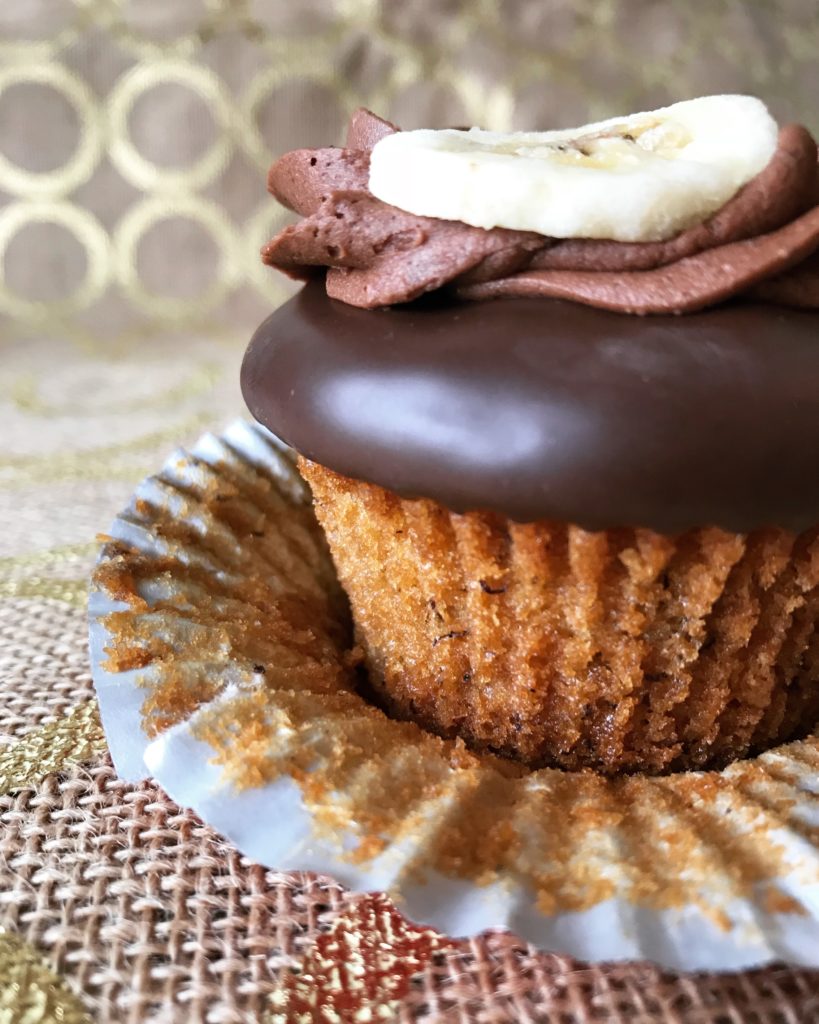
706	912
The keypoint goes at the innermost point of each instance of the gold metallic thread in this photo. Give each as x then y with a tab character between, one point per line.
30	992
76	737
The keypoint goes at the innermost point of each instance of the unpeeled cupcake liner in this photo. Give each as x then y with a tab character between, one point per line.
218	653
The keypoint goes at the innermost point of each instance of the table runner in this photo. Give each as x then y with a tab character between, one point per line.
118	906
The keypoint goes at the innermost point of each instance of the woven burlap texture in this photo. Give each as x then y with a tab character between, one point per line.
149	915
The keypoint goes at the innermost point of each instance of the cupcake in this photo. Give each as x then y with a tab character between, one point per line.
576	528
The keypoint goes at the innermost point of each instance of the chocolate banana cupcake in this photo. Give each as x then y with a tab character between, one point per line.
569	534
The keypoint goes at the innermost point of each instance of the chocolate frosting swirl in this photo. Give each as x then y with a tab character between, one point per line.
760	243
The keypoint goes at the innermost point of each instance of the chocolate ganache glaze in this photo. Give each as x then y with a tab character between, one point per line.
762	243
551	409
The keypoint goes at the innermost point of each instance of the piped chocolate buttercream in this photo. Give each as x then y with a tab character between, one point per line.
759	243
551	409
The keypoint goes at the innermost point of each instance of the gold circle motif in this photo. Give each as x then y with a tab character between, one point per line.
28	51
131	164
143	216
81	164
88	232
218	16
268	218
264	84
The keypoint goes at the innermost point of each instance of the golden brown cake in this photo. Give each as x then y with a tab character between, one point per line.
620	650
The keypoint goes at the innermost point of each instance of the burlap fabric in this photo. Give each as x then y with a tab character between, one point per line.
148	915
133	140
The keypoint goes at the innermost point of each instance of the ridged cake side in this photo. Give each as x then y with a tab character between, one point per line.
620	650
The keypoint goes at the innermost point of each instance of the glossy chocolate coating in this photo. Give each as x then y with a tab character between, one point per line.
551	410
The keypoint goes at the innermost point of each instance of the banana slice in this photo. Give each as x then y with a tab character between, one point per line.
641	178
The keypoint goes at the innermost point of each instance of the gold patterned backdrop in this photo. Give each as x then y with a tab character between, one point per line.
135	134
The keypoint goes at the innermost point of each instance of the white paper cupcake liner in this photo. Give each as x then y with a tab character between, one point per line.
713	871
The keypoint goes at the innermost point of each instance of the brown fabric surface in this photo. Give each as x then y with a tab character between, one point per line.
150	916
